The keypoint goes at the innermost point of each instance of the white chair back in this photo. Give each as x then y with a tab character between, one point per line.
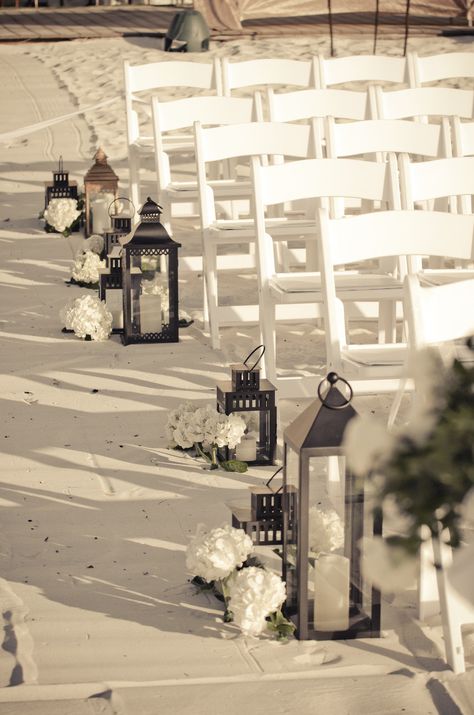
463	137
439	67
308	103
439	178
424	102
260	72
361	68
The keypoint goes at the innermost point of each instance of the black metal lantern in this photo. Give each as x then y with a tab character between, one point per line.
100	189
150	281
326	512
60	187
263	521
121	225
110	288
254	400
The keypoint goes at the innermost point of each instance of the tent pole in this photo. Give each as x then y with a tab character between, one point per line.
376	26
407	25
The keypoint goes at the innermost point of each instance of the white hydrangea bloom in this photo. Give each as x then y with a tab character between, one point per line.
388	567
214	554
61	213
87	267
174	418
236	427
205	425
326	531
254	594
88	315
94	243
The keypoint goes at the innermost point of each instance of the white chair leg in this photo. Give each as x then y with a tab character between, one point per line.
395	406
268	330
134	172
452	611
428	598
387	323
210	280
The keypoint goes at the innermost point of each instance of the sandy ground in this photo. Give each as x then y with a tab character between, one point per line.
98	612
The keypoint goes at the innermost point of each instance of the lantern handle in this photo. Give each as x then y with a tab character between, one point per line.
332	378
258	359
121	198
267	484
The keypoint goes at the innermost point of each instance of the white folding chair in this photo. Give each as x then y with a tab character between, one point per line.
369	236
229	142
295	295
433	68
139	82
309	103
440	316
448	182
182	113
361	68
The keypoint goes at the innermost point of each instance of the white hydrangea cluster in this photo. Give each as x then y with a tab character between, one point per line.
326	531
61	214
187	426
87	315
254	594
214	554
94	243
87	267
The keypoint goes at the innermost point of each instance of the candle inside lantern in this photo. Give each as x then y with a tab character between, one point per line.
114	301
100	212
331	593
246	450
150	313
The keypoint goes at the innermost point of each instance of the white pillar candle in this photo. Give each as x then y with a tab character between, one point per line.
331	593
246	450
114	302
150	313
100	212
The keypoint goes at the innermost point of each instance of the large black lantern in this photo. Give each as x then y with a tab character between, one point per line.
263	520
326	513
121	225
60	187
110	287
254	399
150	281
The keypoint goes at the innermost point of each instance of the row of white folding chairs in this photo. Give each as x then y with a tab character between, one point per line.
142	79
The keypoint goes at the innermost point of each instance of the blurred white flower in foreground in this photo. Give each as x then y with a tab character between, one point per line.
389	568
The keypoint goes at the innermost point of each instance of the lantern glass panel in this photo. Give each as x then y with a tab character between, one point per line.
290	506
150	309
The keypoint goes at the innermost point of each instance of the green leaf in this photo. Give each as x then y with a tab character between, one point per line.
234	465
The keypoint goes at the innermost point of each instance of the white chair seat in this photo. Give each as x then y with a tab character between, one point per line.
436	277
369	286
386	355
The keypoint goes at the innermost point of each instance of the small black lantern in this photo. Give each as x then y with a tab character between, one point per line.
100	189
110	288
263	521
121	225
254	399
324	520
60	187
150	281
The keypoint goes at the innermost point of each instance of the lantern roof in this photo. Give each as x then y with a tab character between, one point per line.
322	424
100	171
149	230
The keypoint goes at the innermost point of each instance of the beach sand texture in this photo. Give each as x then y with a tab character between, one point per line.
95	511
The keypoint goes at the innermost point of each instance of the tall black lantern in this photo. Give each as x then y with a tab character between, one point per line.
254	398
150	281
326	513
110	288
121	225
60	187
